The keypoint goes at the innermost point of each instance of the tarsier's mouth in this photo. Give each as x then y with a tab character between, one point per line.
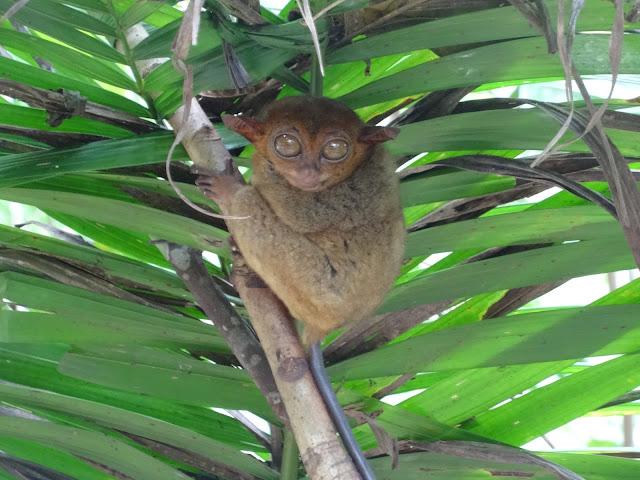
311	187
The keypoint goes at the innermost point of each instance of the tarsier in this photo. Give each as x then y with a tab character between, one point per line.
324	226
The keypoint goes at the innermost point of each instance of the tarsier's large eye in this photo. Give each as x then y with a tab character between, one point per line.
287	145
335	149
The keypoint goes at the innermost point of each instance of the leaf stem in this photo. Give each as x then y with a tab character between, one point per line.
290	459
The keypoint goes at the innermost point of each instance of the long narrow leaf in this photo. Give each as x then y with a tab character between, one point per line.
40	78
112	264
60	22
142	219
501	62
502	23
528	338
36	119
50	457
493	129
138	424
35	366
546	408
94	446
522	269
528	227
158	373
83	64
73	302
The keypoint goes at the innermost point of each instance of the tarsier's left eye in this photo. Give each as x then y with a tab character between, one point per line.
335	149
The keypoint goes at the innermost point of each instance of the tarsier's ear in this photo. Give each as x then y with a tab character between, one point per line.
249	128
373	135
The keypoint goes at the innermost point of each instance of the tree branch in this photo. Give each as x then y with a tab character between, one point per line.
188	264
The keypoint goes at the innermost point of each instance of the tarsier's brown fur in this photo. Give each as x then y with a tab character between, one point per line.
330	252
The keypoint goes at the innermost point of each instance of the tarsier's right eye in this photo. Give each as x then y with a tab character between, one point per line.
287	145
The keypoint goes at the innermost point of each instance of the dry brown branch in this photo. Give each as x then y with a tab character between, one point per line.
54	139
56	103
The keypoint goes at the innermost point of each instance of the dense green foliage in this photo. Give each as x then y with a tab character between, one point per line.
105	371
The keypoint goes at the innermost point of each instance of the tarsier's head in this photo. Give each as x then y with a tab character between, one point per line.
312	142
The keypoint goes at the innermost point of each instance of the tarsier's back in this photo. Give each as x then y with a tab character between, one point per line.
326	231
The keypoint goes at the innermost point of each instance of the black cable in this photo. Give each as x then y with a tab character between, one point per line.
335	411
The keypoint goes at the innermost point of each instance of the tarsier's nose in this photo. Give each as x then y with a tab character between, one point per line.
307	178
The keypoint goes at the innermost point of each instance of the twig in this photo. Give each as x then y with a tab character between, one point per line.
55	102
307	15
13	9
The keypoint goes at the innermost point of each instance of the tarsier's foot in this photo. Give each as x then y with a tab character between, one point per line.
241	272
236	254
